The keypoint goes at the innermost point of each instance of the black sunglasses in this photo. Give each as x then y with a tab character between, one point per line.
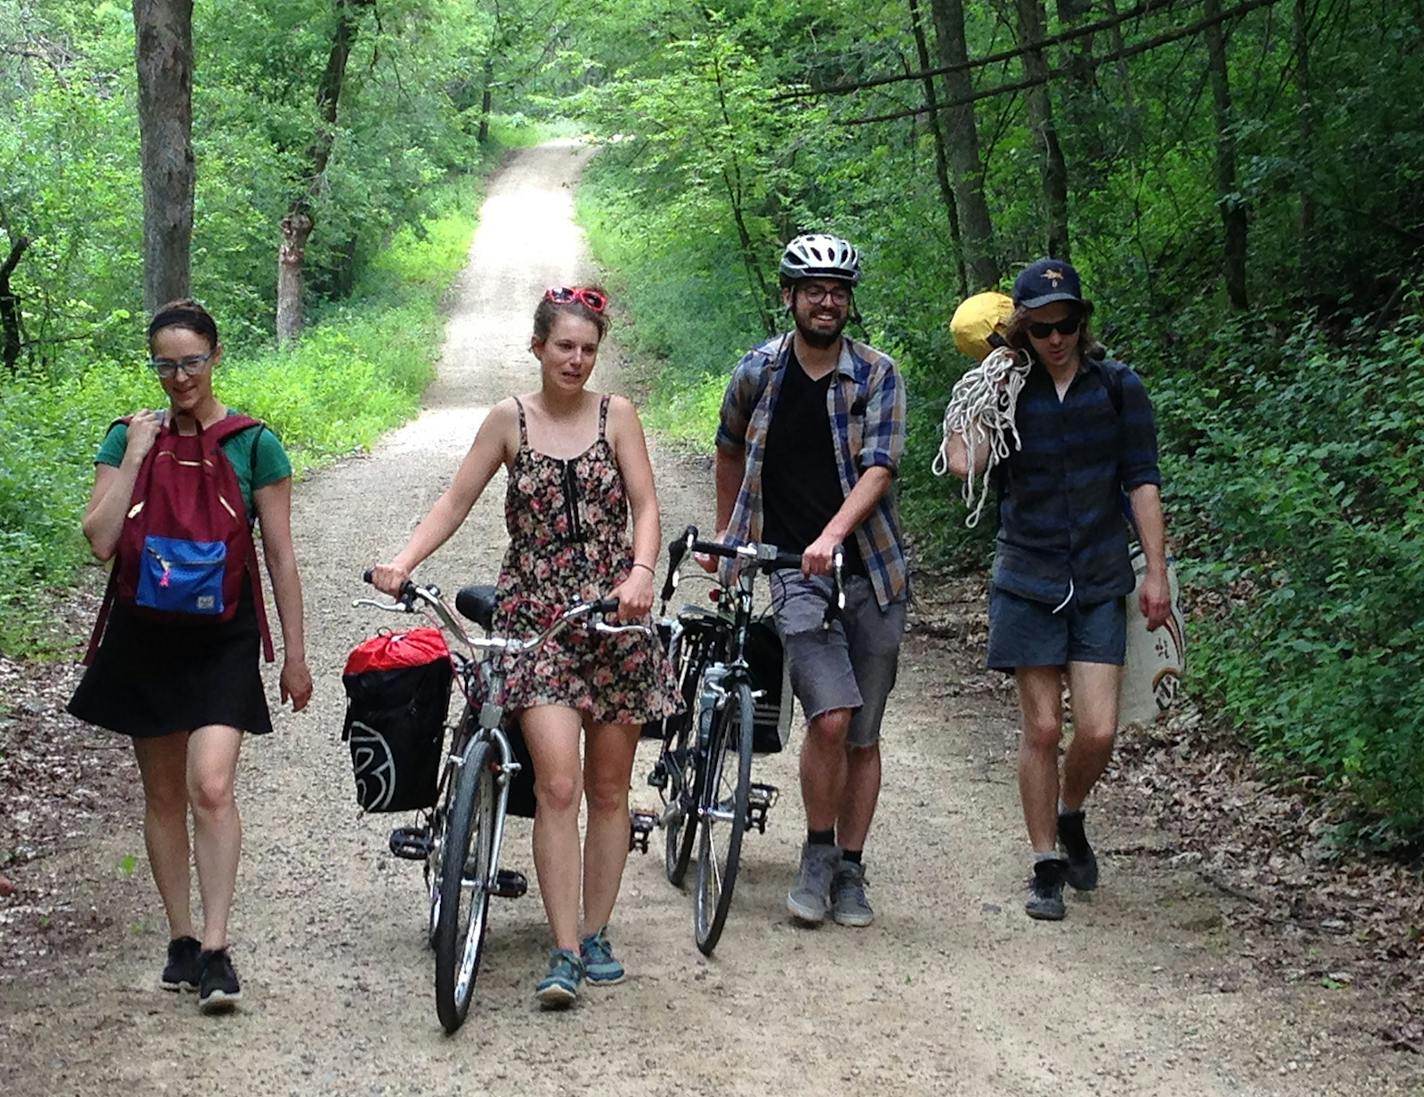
1067	326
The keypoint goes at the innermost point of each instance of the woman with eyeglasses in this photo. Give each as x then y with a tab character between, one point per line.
187	692
1061	565
577	467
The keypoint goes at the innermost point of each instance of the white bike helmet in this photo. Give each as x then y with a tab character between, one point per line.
819	255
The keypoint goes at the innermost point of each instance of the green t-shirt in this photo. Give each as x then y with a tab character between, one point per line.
256	455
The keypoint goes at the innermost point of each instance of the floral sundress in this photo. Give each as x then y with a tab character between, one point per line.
568	541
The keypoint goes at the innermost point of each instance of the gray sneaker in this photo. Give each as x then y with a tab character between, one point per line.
849	906
810	899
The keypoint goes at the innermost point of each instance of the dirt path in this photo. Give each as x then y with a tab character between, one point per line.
952	990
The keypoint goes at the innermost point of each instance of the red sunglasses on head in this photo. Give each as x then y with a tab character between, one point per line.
589	298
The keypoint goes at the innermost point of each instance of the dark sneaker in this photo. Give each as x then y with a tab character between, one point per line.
218	990
810	898
849	906
559	988
600	967
1082	865
1045	889
182	970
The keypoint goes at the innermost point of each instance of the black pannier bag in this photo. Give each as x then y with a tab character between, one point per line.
699	639
397	699
771	676
522	799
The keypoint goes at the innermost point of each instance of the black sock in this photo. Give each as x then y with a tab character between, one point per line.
821	837
852	855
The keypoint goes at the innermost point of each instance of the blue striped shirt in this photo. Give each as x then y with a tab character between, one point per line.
1062	532
866	406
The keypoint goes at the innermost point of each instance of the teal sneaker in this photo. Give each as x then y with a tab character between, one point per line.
599	965
559	988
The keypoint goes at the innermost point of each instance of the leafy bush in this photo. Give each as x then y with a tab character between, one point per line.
359	371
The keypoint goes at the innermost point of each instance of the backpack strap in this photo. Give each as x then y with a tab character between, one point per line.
102	621
220	432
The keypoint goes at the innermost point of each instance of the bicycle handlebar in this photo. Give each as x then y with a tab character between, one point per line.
759	557
429	596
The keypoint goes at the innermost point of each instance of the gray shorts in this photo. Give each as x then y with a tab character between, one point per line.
850	665
1024	633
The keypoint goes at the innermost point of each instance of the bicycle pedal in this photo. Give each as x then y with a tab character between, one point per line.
642	824
411	843
760	799
509	884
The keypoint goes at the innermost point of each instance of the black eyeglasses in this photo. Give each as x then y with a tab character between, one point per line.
839	295
1067	326
167	368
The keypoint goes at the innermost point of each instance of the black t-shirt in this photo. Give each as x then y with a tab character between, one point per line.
801	488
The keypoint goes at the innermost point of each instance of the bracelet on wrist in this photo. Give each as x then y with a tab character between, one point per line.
640	564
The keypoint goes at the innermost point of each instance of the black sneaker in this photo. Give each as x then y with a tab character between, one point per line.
182	970
217	987
1045	889
1082	865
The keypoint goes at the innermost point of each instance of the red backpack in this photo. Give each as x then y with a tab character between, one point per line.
186	543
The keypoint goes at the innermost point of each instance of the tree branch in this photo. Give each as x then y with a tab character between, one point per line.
1090	63
1147	7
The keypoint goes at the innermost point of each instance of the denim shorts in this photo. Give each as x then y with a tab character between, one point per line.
1024	633
850	665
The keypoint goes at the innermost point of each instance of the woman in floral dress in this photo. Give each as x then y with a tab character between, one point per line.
578	465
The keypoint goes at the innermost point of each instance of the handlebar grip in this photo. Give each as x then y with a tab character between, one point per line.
787	560
604	605
366	575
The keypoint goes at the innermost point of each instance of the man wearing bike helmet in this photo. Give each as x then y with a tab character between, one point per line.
812	428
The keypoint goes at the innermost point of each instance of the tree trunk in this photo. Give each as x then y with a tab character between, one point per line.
291	275
300	218
163	54
486	99
962	148
10	341
1305	134
1228	198
1052	170
946	192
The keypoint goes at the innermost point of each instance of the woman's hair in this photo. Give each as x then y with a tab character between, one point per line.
187	314
547	310
1016	331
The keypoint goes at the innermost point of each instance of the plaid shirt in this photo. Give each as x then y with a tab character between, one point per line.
866	406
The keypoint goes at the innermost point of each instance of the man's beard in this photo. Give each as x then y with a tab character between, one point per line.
818	339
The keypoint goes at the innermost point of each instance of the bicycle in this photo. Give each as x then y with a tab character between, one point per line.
703	770
461	835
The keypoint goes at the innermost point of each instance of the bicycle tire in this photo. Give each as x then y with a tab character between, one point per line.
469	829
679	835
717	878
438	816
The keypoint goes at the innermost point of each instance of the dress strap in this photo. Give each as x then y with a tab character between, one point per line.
603	418
523	430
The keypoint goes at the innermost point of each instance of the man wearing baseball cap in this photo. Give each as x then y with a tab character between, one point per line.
1061	568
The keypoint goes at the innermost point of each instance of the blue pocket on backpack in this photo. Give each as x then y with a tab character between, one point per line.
180	576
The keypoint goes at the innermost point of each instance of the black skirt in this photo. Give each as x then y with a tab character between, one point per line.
150	678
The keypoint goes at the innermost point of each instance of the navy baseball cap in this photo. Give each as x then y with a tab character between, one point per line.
1045	281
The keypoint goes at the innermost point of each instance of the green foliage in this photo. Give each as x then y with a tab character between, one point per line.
1297	469
1289	458
357	373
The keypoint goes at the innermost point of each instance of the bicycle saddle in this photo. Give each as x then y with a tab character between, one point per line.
478	604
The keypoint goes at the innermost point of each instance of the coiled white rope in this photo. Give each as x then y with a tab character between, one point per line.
981	409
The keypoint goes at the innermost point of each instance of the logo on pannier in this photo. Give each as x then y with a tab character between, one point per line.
374	766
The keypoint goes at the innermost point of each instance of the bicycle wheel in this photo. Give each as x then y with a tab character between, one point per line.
680	831
722	816
464	899
689	656
439	815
